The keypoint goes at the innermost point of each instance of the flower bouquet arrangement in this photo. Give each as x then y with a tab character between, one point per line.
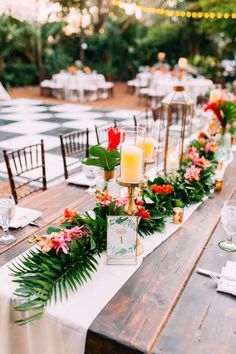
205	146
224	111
106	158
65	257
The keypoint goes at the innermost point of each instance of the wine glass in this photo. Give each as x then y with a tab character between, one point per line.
7	210
228	219
91	174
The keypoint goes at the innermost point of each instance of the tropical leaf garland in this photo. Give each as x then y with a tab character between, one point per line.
43	277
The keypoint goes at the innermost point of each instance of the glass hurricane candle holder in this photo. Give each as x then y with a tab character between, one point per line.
132	155
148	147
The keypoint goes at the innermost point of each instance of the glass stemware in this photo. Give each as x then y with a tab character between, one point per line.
91	174
228	219
7	210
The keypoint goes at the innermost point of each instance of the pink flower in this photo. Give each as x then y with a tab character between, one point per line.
202	162
192	173
76	232
60	244
45	243
59	240
210	147
121	201
193	152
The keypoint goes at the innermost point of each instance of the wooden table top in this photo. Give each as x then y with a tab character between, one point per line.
165	307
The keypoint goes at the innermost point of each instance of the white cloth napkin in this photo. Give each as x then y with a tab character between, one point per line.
225	285
80	180
23	216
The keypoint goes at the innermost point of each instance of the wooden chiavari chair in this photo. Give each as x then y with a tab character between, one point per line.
19	163
101	131
74	144
142	115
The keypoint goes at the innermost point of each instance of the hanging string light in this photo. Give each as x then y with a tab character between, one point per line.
132	8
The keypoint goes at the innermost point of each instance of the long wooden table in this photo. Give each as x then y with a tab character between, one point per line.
165	307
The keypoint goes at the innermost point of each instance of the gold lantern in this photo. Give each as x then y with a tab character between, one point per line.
175	128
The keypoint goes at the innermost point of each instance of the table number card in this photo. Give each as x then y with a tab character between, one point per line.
122	239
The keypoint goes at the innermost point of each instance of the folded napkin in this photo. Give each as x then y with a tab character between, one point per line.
225	285
23	216
80	180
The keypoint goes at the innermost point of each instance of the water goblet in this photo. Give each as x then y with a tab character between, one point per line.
7	210
228	219
91	174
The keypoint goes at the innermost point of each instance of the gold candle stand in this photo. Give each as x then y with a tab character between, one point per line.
233	139
145	184
130	207
219	184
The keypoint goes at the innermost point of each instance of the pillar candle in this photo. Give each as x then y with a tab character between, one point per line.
172	163
148	149
131	163
215	96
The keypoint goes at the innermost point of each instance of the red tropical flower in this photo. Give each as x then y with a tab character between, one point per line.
201	135
144	213
214	107
113	138
139	201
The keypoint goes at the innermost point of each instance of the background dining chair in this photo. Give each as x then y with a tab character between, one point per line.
142	115
26	170
101	131
156	113
74	144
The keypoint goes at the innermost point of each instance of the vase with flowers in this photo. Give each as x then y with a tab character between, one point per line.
225	112
107	158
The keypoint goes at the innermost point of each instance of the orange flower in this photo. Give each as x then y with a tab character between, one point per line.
72	70
104	198
70	214
158	189
167	189
202	141
153	187
87	70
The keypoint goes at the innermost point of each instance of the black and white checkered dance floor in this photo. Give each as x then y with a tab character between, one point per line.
25	121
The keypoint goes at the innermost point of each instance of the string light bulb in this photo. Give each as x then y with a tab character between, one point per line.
177	13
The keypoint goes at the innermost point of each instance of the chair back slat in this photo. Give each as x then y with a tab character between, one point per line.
72	144
138	117
22	161
101	131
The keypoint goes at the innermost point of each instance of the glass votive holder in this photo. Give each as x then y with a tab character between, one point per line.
219	165
178	215
219	184
148	147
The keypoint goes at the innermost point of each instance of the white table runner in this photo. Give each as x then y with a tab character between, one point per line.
64	326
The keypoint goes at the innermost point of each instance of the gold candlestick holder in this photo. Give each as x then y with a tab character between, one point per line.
145	184
233	140
130	207
219	165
